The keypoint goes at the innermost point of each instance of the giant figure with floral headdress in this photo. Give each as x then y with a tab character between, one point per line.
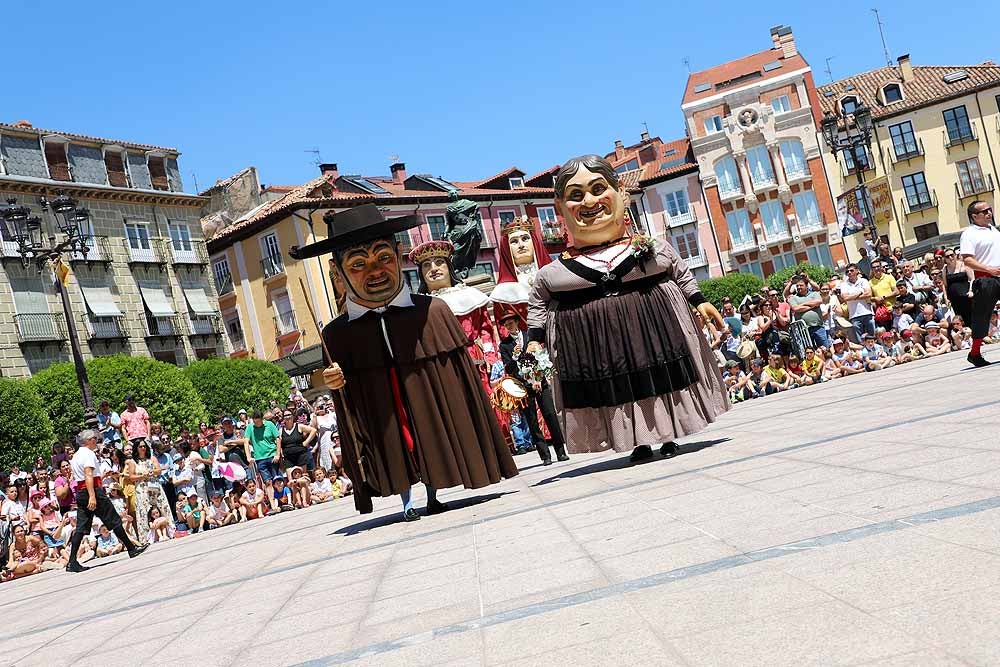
615	313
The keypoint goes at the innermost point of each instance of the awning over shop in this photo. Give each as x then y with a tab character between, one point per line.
303	362
157	301
100	301
198	301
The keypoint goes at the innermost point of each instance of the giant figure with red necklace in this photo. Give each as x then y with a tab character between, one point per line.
404	384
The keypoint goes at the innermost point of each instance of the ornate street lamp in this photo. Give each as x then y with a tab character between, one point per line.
26	230
851	133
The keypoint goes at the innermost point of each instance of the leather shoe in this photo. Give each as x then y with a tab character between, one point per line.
76	567
137	550
977	360
547	462
436	507
641	453
669	449
411	515
563	457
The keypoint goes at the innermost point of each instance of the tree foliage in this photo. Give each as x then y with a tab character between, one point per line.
733	285
25	429
226	385
162	388
817	272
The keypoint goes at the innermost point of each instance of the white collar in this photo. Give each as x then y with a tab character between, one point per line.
402	300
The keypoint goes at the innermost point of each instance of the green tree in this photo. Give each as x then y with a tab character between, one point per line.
226	385
733	285
817	272
161	388
25	429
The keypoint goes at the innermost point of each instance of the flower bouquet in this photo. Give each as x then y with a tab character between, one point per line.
536	367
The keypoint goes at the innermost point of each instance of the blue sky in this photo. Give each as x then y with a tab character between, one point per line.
457	89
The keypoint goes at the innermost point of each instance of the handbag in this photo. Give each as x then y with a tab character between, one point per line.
882	313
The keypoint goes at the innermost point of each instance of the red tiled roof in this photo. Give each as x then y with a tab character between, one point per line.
653	170
737	68
505	174
83	137
927	87
551	171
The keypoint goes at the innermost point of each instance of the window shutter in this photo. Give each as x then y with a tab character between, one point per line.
116	169
55	155
158	173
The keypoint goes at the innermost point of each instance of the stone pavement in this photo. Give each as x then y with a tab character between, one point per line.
856	522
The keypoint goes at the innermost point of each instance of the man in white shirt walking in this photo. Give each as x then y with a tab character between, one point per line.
980	250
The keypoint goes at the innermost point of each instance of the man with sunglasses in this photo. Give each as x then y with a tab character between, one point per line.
856	292
980	250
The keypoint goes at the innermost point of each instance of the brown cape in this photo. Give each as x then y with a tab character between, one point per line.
457	438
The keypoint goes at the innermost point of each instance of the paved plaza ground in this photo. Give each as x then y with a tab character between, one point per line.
853	523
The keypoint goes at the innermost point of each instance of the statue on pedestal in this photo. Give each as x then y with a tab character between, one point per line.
465	231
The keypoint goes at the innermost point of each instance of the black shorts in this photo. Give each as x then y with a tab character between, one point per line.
302	458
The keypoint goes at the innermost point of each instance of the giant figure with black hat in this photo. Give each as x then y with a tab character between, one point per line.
409	387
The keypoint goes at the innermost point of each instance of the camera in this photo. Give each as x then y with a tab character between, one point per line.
837	291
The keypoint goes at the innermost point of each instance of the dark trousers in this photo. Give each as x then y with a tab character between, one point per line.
985	294
105	511
543	401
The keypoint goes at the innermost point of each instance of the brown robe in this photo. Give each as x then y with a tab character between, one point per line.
457	439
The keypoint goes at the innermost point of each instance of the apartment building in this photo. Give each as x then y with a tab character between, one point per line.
936	133
143	286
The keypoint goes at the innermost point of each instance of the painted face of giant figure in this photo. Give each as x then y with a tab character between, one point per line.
521	249
436	273
592	203
372	271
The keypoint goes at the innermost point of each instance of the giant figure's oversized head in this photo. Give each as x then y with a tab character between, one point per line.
592	201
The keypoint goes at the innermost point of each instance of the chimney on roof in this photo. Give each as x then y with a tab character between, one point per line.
644	137
329	169
23	123
398	172
783	40
905	68
619	149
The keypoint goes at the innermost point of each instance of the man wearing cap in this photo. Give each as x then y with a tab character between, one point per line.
135	422
109	423
980	250
409	399
91	501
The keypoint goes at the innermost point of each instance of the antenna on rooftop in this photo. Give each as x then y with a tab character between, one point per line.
393	158
317	158
687	63
196	188
645	126
881	33
829	72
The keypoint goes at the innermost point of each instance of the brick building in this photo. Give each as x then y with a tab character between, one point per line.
753	126
142	289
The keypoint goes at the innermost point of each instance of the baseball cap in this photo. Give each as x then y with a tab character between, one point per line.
227	420
838	341
215	494
241	412
178	457
731	363
43	503
130	397
933	325
868	336
906	333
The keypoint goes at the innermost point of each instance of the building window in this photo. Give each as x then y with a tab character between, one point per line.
781	104
284	316
820	254
270	260
807	210
970	175
403	239
728	176
739	227
784	260
412	278
915	186
848	104
794	158
904	143
956	122
631	165
761	170
515	182
713	125
180	237
924	232
752	268
55	156
862	157
235	331
223	277
138	235
158	172
774	219
482	269
506	217
677	204
438	225
687	245
547	215
114	162
892	93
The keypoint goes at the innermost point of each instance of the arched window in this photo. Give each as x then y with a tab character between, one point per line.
848	103
728	177
892	93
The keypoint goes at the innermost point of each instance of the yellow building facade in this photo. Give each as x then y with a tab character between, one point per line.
935	143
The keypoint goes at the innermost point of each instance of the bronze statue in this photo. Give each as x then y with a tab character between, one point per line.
465	231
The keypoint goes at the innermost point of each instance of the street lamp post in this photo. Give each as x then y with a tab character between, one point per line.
26	230
856	136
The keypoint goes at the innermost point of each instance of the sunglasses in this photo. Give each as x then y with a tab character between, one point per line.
984	210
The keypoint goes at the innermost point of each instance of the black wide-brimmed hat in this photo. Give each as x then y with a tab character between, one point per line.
360	224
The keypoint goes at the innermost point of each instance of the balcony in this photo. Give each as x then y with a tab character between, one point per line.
922	202
729	192
908	151
39	327
98	250
741	244
205	326
285	322
194	253
105	328
798	175
764	182
272	265
776	233
976	187
164	327
685	218
553	232
807	225
225	286
238	342
696	261
962	136
150	252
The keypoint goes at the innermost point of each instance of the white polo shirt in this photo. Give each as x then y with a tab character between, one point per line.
983	243
83	458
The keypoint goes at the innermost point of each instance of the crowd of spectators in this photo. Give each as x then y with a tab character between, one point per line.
240	468
887	311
